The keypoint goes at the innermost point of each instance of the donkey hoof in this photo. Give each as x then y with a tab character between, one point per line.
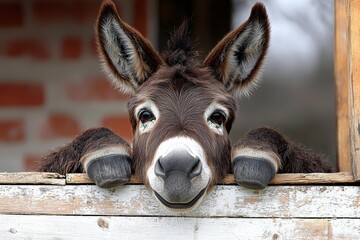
251	172
110	171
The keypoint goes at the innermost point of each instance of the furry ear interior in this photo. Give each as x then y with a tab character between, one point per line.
237	59
127	57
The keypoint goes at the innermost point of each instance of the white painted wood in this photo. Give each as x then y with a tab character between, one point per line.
345	229
60	227
224	201
169	228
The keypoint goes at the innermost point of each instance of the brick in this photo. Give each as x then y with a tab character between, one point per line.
140	16
58	11
119	124
60	125
93	89
71	48
33	48
21	94
93	47
12	130
31	162
11	14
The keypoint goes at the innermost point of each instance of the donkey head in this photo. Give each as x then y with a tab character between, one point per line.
181	110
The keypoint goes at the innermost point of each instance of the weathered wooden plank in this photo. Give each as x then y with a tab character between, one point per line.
312	178
344	229
32	178
279	179
91	227
354	86
341	62
223	201
83	178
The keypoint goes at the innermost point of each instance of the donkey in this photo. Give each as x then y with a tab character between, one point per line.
181	111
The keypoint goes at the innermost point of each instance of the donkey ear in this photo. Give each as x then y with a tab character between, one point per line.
127	57
237	59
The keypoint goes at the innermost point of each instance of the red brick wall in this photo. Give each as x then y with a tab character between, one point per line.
51	85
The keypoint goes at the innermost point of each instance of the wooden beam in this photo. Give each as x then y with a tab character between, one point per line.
354	85
32	178
341	62
35	178
304	201
83	178
312	178
92	227
279	179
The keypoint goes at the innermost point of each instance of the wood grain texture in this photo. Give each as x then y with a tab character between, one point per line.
279	179
312	178
223	201
341	65
354	86
169	228
32	178
82	178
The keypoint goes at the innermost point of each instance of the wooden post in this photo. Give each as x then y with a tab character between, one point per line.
354	84
341	62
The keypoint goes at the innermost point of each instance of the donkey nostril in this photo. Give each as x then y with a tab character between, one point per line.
159	170
196	170
178	162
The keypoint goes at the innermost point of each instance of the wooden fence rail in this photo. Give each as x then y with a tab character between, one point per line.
52	206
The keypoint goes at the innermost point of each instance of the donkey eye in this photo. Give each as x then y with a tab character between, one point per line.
218	117
146	115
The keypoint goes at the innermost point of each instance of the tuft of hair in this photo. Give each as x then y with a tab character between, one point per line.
180	47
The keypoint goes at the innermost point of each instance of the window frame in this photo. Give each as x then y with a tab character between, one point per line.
347	67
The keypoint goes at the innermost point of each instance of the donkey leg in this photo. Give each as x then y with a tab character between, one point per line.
263	152
255	159
103	155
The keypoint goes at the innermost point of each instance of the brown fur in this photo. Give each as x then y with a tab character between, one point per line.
217	61
150	59
182	88
295	158
175	90
67	159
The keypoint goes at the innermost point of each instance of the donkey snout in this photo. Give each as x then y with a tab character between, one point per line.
179	175
178	163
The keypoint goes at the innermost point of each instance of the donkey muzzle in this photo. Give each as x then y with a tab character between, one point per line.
177	169
179	175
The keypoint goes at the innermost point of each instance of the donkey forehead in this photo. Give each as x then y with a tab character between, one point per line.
179	89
